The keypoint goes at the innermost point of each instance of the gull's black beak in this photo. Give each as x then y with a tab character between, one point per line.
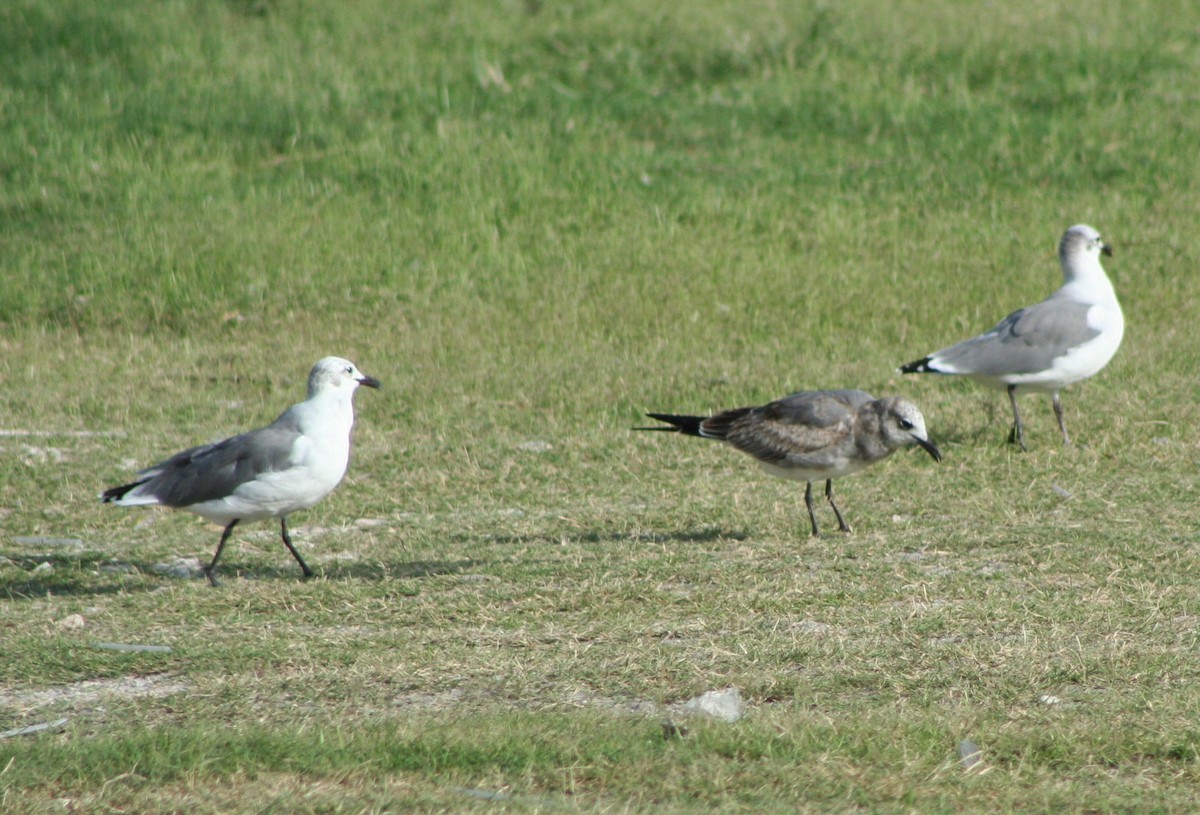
370	382
1106	249
930	448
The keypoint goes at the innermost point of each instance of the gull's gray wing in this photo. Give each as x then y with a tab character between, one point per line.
1026	341
210	472
794	429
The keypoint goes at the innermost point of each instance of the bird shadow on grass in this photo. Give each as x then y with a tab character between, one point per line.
73	574
368	570
69	574
379	570
702	535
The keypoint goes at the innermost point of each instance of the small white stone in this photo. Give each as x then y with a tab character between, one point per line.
72	621
969	754
725	705
182	567
29	730
807	626
58	543
535	446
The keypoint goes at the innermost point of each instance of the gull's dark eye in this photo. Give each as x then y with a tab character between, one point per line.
905	424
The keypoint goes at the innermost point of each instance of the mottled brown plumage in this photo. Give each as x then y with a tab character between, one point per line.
814	435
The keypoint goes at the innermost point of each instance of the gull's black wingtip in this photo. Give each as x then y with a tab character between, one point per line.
688	425
920	366
117	493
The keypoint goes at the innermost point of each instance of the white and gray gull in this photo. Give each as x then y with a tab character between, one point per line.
814	435
271	472
1069	336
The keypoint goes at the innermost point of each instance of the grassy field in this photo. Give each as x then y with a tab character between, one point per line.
535	221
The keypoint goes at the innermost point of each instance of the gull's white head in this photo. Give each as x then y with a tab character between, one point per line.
902	424
1081	245
337	374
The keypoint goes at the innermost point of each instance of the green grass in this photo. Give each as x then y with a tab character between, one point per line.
534	222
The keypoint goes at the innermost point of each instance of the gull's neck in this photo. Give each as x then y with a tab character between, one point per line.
1084	280
869	420
333	408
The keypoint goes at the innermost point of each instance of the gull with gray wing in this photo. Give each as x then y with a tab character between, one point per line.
271	472
1069	336
813	436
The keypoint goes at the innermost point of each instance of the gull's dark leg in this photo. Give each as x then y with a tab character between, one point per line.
210	571
812	516
287	541
1058	414
842	525
1018	433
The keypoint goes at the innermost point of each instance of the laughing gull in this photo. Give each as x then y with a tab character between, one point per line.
814	435
1069	336
271	472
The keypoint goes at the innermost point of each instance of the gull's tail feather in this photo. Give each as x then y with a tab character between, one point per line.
688	425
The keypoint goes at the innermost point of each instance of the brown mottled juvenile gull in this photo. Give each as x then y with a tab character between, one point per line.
814	435
1069	336
271	472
